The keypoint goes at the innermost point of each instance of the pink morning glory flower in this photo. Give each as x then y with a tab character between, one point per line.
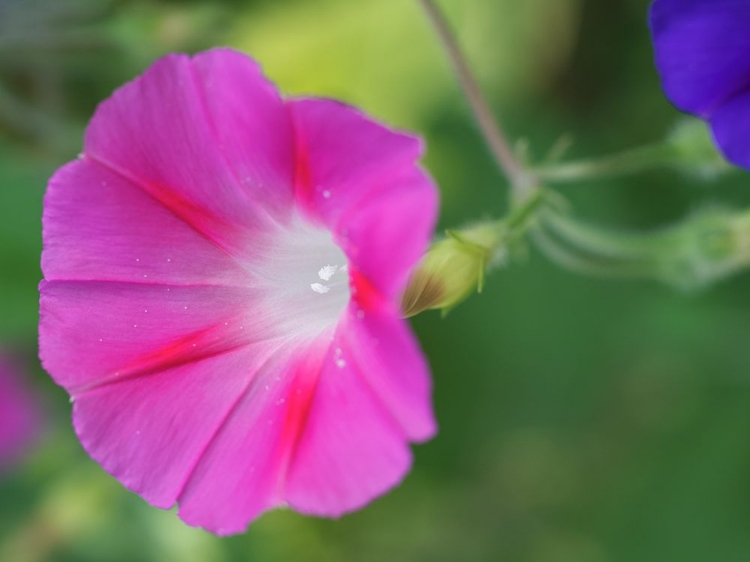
222	276
20	415
702	50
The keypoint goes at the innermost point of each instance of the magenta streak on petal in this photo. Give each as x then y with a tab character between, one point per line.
151	435
374	195
98	328
225	419
364	293
303	190
351	449
291	392
122	233
251	125
237	476
328	184
305	379
203	103
385	250
197	346
212	228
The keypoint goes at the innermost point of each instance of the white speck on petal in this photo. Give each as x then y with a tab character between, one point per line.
327	272
318	288
337	359
327	194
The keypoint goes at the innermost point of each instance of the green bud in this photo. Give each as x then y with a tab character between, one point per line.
453	268
695	151
708	247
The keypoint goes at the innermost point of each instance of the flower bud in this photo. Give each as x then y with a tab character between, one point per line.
708	247
453	268
694	150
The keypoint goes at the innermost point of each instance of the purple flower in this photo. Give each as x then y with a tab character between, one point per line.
223	272
703	57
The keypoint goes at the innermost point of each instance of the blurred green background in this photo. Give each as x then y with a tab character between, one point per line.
582	420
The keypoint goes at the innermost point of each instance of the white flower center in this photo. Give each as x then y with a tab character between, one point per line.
303	277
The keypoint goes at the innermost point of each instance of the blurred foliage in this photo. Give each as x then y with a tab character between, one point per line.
581	420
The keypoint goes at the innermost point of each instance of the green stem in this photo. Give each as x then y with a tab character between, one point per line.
521	182
614	244
705	247
585	264
620	164
522	216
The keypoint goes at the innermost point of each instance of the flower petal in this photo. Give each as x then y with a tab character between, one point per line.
702	51
352	449
361	180
252	126
385	236
94	333
98	225
242	472
150	432
165	133
392	365
731	128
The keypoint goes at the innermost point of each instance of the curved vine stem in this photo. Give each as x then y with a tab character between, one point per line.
521	182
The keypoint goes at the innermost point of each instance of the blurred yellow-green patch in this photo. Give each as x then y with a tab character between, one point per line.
382	55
